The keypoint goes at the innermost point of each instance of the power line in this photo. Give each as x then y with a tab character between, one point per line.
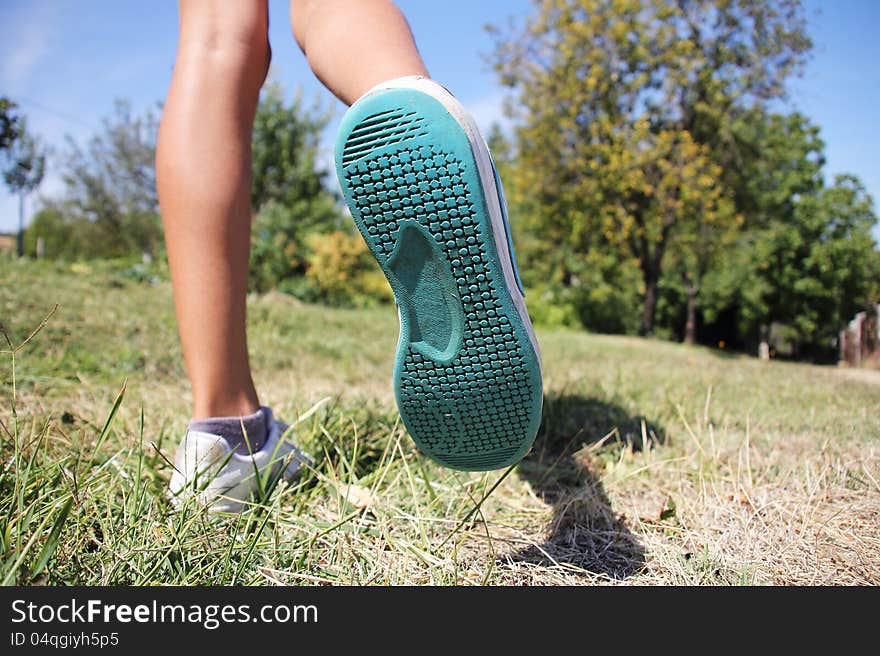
24	100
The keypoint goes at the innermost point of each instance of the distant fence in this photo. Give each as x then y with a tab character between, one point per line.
859	342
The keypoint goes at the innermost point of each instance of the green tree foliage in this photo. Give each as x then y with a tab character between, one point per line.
279	245
805	257
25	162
840	264
285	148
109	199
780	160
811	270
64	237
24	166
109	206
626	111
289	195
9	123
342	270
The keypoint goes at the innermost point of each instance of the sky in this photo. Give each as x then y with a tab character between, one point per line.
65	63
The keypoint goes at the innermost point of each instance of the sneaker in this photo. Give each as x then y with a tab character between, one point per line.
424	192
208	468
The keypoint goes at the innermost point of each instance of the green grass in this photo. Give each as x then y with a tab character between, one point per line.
656	463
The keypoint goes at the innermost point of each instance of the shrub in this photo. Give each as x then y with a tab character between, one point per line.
341	270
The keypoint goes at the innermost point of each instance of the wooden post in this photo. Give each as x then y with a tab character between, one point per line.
20	238
764	342
857	330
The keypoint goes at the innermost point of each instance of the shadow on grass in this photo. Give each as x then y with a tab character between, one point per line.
584	531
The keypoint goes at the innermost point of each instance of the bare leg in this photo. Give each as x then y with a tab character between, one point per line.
353	45
204	178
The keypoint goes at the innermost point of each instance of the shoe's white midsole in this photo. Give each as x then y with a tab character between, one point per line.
487	177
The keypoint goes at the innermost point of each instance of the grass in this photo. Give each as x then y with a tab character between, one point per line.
656	463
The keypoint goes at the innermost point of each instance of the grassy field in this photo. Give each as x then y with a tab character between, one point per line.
656	463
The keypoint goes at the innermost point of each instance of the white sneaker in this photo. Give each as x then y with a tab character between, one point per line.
208	468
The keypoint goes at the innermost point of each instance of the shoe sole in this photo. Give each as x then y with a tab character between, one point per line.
422	189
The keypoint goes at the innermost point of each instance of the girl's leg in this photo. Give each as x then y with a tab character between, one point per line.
203	170
353	45
449	229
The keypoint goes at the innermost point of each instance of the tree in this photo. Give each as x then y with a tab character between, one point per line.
112	183
814	271
625	112
696	248
24	170
63	236
783	167
783	160
9	123
288	196
285	147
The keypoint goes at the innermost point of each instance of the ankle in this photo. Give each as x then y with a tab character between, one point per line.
245	433
239	404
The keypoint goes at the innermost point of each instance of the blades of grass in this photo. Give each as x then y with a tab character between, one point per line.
250	551
15	349
52	541
106	430
344	463
690	431
35	444
476	508
11	352
384	466
230	550
10	575
355	453
427	480
22	482
491	546
308	413
141	487
415	496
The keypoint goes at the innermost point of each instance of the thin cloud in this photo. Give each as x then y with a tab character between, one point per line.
488	111
27	36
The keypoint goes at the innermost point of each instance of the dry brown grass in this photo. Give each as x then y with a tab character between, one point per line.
656	463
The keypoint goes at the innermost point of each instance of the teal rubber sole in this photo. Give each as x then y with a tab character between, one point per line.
467	378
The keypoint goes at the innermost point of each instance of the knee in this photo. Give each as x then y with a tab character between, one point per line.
299	18
234	44
306	13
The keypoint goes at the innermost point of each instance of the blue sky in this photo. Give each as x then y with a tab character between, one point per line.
66	62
